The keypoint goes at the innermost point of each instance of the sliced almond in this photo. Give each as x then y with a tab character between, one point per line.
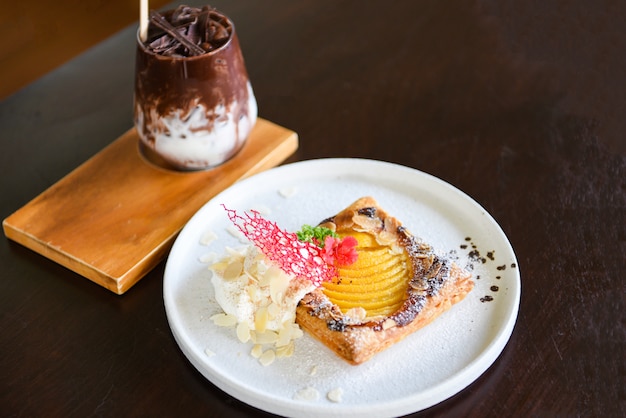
288	191
243	332
307	394
254	293
262	209
356	315
219	266
335	395
260	319
270	274
366	223
224	320
267	357
233	270
208	237
256	351
208	258
267	337
286	350
296	332
389	323
273	310
284	337
278	285
235	232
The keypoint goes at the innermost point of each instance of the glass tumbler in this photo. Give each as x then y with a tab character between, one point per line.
192	112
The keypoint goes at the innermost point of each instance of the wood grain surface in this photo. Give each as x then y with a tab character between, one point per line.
115	217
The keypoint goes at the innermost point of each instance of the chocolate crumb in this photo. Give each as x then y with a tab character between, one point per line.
486	299
490	255
474	255
502	267
494	288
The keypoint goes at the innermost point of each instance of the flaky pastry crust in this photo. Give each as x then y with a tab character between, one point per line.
434	284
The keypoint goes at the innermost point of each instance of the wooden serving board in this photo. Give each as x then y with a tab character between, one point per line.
116	216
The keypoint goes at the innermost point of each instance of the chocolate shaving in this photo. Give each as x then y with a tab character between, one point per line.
162	23
188	31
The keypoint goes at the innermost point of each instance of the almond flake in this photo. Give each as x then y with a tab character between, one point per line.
233	270
260	319
278	285
356	315
208	258
219	266
288	191
208	237
269	276
232	230
243	332
256	351
253	292
267	357
284	337
335	395
307	394
267	337
389	323
262	209
224	320
273	310
286	350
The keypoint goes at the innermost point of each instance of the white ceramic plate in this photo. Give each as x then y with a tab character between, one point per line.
424	369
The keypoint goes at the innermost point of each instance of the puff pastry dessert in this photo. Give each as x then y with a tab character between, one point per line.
397	286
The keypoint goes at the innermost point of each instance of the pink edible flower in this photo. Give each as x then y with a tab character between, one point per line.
340	252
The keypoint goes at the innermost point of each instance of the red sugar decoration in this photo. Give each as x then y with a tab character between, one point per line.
294	257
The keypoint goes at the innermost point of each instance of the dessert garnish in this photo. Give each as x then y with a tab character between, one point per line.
162	23
259	286
188	32
313	252
335	250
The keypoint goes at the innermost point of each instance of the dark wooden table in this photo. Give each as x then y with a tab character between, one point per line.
522	107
